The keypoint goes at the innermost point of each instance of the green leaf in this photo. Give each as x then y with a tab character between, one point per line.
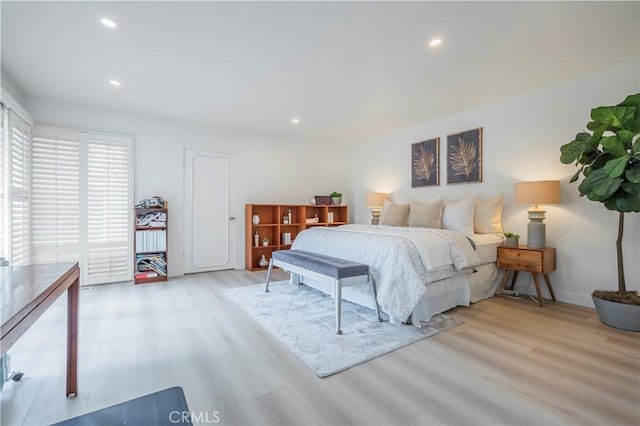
576	176
571	151
599	186
616	167
630	187
631	100
626	136
627	203
613	117
614	145
636	147
632	174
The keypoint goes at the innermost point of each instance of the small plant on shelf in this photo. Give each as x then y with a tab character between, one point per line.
335	194
265	241
336	198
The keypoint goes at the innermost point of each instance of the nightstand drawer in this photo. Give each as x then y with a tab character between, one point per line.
520	260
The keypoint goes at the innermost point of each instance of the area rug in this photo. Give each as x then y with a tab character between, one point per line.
304	320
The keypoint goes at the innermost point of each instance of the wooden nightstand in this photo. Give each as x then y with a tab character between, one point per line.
526	259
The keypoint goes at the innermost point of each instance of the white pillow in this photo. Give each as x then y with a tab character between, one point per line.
488	217
458	215
394	214
427	215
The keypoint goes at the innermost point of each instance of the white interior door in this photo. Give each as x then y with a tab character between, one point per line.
209	225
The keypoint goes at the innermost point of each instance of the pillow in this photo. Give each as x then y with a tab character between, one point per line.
427	215
394	214
458	215
488	217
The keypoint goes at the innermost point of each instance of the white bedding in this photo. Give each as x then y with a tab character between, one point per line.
402	260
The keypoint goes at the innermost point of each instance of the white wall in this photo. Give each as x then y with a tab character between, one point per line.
264	170
522	139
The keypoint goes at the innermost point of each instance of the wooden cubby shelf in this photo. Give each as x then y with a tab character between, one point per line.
271	226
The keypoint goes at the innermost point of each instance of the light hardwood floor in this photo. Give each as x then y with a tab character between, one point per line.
511	363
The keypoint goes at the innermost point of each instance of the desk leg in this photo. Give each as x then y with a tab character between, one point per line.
536	280
72	338
548	281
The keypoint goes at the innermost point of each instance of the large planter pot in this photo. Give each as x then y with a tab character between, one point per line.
618	315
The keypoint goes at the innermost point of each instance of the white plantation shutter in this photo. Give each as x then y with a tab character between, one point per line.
55	200
109	202
3	180
81	202
19	176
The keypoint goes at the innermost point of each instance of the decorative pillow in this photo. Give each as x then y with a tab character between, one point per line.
427	215
458	215
394	214
488	218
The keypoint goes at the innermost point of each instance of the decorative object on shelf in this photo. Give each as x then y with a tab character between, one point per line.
263	262
151	203
464	157
285	220
336	198
375	200
323	200
256	239
265	241
511	239
425	163
609	160
255	219
537	193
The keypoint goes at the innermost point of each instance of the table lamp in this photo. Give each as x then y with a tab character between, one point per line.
375	200
536	193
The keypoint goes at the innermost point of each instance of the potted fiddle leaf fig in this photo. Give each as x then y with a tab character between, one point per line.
608	158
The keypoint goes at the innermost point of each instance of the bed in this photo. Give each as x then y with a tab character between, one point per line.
419	272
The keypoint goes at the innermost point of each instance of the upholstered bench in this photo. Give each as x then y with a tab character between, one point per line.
319	267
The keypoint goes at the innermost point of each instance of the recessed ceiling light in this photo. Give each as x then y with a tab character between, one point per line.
108	23
435	42
115	83
295	120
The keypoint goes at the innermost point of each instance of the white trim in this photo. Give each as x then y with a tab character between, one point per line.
11	103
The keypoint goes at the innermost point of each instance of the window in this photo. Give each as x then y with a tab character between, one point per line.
19	186
109	202
55	199
3	180
82	197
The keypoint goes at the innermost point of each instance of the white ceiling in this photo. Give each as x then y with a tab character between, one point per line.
349	71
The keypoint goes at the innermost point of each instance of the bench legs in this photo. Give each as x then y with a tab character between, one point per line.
338	296
266	288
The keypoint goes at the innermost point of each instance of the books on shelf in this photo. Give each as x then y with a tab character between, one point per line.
151	265
151	241
153	219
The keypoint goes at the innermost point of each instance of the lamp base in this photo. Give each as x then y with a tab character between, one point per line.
536	237
375	216
536	229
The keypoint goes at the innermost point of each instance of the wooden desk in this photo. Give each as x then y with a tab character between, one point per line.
26	292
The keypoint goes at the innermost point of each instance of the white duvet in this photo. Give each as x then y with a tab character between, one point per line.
402	260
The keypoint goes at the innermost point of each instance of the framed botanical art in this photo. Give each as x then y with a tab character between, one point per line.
464	157
425	163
